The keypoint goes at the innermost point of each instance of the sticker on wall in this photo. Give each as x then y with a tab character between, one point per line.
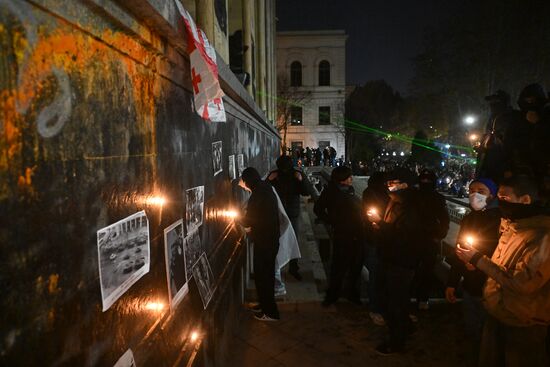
194	206
124	256
204	278
127	360
232	170
240	164
192	249
217	157
175	263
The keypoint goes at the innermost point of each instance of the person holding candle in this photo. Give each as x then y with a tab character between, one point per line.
375	200
400	230
478	229
517	292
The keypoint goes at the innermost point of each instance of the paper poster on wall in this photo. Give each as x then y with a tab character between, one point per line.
204	278
217	157
127	360
194	208
124	256
232	170
240	164
175	263
193	250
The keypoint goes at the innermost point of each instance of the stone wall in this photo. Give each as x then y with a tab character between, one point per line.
96	114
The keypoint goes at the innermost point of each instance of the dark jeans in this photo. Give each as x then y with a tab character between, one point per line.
474	319
424	276
398	282
264	276
347	262
293	266
374	285
511	346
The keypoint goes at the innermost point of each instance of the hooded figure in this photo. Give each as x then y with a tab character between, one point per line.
262	223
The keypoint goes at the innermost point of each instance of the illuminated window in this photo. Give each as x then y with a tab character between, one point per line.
295	115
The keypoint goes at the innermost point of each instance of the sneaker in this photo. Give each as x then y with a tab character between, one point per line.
424	306
385	349
280	292
254	307
263	317
377	318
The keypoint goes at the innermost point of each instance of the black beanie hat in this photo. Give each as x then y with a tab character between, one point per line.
251	177
340	174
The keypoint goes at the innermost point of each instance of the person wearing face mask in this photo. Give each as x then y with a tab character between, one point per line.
338	206
400	232
482	226
517	292
531	151
436	220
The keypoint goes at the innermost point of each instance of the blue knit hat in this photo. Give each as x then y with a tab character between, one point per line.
491	185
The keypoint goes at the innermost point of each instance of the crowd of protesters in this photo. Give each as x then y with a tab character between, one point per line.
315	157
501	262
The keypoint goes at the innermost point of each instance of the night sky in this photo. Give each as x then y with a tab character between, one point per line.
383	35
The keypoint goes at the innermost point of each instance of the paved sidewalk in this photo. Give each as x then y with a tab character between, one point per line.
341	335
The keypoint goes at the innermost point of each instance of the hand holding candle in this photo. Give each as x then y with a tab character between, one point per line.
373	215
466	251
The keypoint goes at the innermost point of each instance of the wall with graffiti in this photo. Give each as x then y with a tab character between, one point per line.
96	121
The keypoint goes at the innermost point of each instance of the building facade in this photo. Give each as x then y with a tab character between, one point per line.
311	82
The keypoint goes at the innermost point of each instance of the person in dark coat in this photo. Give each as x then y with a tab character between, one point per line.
481	228
339	207
436	219
262	223
289	184
375	199
401	232
494	158
531	150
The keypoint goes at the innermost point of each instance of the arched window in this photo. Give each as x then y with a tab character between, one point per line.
324	73
296	74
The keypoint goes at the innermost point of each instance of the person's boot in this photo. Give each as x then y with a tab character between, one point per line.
293	269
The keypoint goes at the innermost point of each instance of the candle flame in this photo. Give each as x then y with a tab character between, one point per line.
194	336
154	306
470	240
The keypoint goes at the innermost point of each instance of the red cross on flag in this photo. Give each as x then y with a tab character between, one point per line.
204	71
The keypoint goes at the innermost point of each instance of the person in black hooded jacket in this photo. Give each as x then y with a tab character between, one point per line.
339	207
262	223
289	184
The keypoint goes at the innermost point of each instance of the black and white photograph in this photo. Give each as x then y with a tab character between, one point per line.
192	250
126	360
232	170
194	208
175	263
204	279
124	256
217	157
240	164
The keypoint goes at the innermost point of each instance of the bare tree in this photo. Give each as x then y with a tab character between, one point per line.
288	97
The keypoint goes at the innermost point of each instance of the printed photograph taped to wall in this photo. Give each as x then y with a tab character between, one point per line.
204	278
194	208
217	157
232	170
124	256
175	263
193	249
240	164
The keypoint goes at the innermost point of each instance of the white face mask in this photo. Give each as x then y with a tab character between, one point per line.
478	201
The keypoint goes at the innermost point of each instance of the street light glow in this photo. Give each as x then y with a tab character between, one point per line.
469	120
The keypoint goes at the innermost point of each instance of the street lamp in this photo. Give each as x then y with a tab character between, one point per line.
469	120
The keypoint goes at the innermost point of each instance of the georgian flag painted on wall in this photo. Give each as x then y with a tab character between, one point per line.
204	71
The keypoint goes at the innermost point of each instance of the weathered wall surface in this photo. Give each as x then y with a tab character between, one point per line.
95	107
